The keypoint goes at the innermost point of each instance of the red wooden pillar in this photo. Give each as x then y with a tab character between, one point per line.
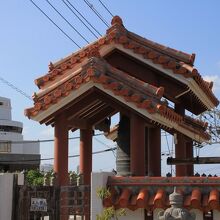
154	152
137	145
146	149
61	150
180	146
85	163
189	154
180	152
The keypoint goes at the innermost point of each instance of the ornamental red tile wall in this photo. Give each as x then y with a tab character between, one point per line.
151	193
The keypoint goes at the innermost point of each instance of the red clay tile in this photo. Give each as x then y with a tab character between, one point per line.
124	198
116	20
196	198
214	199
142	198
159	199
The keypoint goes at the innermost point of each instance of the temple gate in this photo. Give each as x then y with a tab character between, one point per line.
124	73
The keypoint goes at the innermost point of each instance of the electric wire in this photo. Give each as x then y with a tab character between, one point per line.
83	17
106	8
15	88
52	158
96	12
54	8
42	141
54	23
95	35
105	145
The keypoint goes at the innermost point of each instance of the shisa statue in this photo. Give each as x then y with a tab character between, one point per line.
176	211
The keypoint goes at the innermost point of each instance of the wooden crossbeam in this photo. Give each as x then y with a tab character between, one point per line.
195	160
79	123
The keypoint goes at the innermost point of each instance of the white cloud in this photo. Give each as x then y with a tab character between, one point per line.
215	79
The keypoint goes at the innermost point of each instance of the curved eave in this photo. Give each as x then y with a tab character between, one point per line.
155	117
190	82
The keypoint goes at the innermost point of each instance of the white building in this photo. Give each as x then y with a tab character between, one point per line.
15	153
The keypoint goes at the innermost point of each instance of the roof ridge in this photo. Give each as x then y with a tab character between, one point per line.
176	54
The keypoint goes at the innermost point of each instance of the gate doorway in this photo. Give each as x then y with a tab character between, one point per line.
51	203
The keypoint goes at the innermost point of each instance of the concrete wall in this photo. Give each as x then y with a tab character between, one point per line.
6	194
216	215
198	213
25	147
100	180
5	108
10	136
97	180
133	215
31	148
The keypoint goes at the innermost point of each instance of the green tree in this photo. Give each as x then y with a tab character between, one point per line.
34	178
108	213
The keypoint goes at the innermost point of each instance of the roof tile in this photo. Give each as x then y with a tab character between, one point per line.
179	62
131	89
124	197
214	199
194	190
142	198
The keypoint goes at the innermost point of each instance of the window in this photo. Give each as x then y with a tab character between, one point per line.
5	147
10	129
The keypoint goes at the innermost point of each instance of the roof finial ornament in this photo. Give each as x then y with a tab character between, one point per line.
116	20
51	66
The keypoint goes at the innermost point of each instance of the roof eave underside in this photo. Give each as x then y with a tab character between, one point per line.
156	117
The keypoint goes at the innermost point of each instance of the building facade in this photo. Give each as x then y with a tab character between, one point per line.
15	153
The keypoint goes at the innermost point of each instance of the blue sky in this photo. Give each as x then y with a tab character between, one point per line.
28	42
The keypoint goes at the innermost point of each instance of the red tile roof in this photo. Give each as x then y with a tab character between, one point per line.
97	70
152	192
177	61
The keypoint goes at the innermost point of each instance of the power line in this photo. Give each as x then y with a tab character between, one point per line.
84	18
52	158
54	23
106	8
15	88
105	145
96	12
68	22
80	19
42	141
